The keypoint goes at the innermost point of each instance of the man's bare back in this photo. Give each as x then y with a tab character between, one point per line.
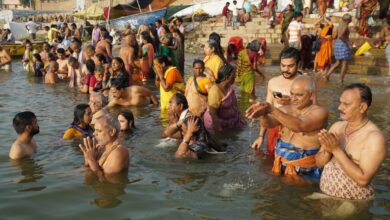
134	96
103	47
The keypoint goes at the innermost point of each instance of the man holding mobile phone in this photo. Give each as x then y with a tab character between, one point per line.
278	93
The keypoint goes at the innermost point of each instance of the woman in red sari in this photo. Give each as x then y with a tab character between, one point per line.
366	9
146	61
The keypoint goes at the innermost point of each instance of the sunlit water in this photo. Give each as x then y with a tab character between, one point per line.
235	185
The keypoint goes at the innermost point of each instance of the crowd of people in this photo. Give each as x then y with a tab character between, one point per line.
328	39
344	158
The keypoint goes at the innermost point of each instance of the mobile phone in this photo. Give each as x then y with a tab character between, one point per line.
277	94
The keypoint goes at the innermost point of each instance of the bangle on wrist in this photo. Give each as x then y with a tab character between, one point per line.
185	142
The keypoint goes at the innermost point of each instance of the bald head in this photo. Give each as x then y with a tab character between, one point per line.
306	82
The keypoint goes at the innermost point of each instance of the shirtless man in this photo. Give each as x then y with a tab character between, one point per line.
62	63
104	47
26	126
78	52
130	96
127	30
97	101
105	154
342	52
51	75
90	54
353	149
5	60
300	123
278	93
127	52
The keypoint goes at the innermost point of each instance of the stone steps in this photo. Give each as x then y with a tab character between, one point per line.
258	27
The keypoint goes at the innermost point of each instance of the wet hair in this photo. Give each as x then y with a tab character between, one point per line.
146	36
90	65
224	72
101	58
61	50
121	63
37	56
197	61
52	57
165	27
46	44
109	37
90	47
364	90
298	14
163	59
177	31
21	120
181	99
290	52
99	69
217	38
129	117
72	60
77	42
78	113
217	48
118	83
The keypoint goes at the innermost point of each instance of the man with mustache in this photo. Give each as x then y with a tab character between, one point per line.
353	149
299	124
26	126
278	93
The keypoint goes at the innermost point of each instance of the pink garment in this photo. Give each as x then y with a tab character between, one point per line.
227	113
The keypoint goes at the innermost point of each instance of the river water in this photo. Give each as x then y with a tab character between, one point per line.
235	185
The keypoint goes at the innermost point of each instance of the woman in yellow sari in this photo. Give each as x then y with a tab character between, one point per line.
324	55
197	89
168	79
247	66
214	59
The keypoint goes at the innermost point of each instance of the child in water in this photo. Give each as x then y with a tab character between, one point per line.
38	65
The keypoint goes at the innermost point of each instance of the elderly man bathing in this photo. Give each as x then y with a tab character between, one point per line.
353	149
130	96
300	123
105	154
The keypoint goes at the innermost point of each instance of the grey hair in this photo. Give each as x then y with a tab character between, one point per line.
100	96
311	83
112	122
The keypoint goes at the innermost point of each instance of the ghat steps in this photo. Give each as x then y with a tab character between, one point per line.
375	64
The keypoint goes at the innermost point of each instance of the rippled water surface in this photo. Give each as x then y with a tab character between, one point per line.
236	185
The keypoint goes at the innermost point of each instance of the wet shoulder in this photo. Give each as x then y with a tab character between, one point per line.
338	126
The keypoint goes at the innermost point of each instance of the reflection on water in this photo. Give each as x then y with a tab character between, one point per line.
108	189
30	170
235	185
